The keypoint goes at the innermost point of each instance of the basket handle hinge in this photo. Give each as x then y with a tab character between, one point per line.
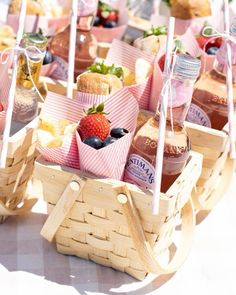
63	207
145	251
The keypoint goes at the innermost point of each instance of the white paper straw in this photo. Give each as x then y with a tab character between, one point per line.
12	90
71	66
229	80
162	122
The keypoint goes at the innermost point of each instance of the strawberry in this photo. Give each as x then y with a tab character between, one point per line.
178	47
1	107
201	40
106	13
94	123
161	62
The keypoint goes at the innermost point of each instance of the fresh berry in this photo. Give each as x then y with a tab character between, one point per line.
94	142
201	40
48	58
110	24
1	107
96	21
212	50
214	43
109	140
94	123
118	132
113	16
106	13
161	62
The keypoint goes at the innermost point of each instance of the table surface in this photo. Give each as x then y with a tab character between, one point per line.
30	265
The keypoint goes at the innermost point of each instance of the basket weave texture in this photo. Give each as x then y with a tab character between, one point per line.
93	225
19	168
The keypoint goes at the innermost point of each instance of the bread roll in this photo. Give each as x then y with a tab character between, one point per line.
151	44
100	84
188	9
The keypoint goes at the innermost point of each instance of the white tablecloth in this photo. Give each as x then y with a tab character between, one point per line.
29	265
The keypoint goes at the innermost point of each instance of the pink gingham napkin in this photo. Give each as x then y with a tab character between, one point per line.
123	54
110	161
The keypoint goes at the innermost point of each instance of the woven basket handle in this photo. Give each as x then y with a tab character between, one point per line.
144	249
227	174
27	206
63	207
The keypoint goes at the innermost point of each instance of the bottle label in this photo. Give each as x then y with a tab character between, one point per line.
181	93
198	116
139	171
61	71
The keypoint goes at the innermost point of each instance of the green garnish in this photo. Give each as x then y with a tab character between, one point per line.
104	69
168	2
156	31
179	46
105	6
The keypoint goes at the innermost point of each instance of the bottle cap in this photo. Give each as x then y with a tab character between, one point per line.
35	39
187	66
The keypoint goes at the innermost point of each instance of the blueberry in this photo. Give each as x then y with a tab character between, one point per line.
118	132
109	140
96	21
212	50
94	142
48	58
110	24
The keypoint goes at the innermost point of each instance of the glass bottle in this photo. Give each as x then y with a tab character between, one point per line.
140	167
86	43
26	97
209	104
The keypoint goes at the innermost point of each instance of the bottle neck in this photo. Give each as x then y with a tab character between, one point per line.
220	64
85	23
179	100
23	75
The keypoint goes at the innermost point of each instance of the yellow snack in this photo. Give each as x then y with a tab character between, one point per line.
51	134
46	139
6	32
63	123
47	125
143	70
129	77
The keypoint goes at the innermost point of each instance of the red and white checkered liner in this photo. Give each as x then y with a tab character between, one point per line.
123	54
110	161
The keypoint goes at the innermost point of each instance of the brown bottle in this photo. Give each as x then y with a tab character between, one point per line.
140	168
86	44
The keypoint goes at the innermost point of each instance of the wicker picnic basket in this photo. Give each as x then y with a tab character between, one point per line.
111	223
218	168
14	178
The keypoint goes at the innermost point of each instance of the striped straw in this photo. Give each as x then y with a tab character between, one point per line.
229	83
12	90
71	65
162	125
